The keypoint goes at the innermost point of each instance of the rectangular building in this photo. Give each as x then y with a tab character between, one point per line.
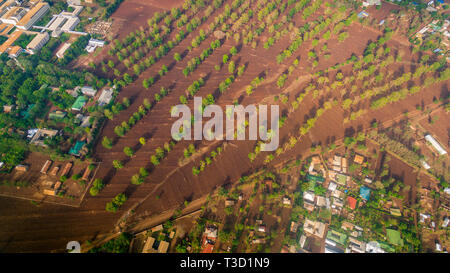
38	42
33	15
436	145
62	50
70	24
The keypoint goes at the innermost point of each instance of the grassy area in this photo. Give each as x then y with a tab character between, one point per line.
24	40
3	39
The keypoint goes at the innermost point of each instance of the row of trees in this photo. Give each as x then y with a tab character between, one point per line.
195	61
126	126
207	161
160	153
116	203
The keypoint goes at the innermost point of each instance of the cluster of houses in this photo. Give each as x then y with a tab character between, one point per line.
333	176
435	27
336	185
153	245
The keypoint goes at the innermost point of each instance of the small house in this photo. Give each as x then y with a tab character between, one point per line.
22	168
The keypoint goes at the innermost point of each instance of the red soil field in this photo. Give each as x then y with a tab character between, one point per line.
169	184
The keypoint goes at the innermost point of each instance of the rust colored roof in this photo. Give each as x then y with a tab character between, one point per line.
31	13
7	44
14	50
351	202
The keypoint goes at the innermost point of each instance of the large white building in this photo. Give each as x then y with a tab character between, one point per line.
33	15
105	97
62	50
71	23
436	145
38	42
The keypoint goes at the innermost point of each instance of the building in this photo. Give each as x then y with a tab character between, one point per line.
351	202
62	50
209	239
88	91
57	23
286	201
435	144
105	97
320	201
71	23
364	192
148	246
9	43
73	2
332	186
38	42
8	108
46	166
359	159
356	246
262	228
22	168
15	51
367	3
75	150
33	15
67	168
315	228
57	114
41	134
374	247
229	202
93	44
79	103
13	15
163	247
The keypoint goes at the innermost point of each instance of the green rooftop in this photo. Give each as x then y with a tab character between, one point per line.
79	103
75	150
394	237
336	236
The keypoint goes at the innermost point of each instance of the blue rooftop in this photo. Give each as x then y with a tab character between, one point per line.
364	192
75	150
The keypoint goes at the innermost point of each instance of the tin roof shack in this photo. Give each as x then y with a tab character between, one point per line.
86	90
359	159
435	144
54	171
66	169
46	166
22	168
8	108
86	173
105	97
